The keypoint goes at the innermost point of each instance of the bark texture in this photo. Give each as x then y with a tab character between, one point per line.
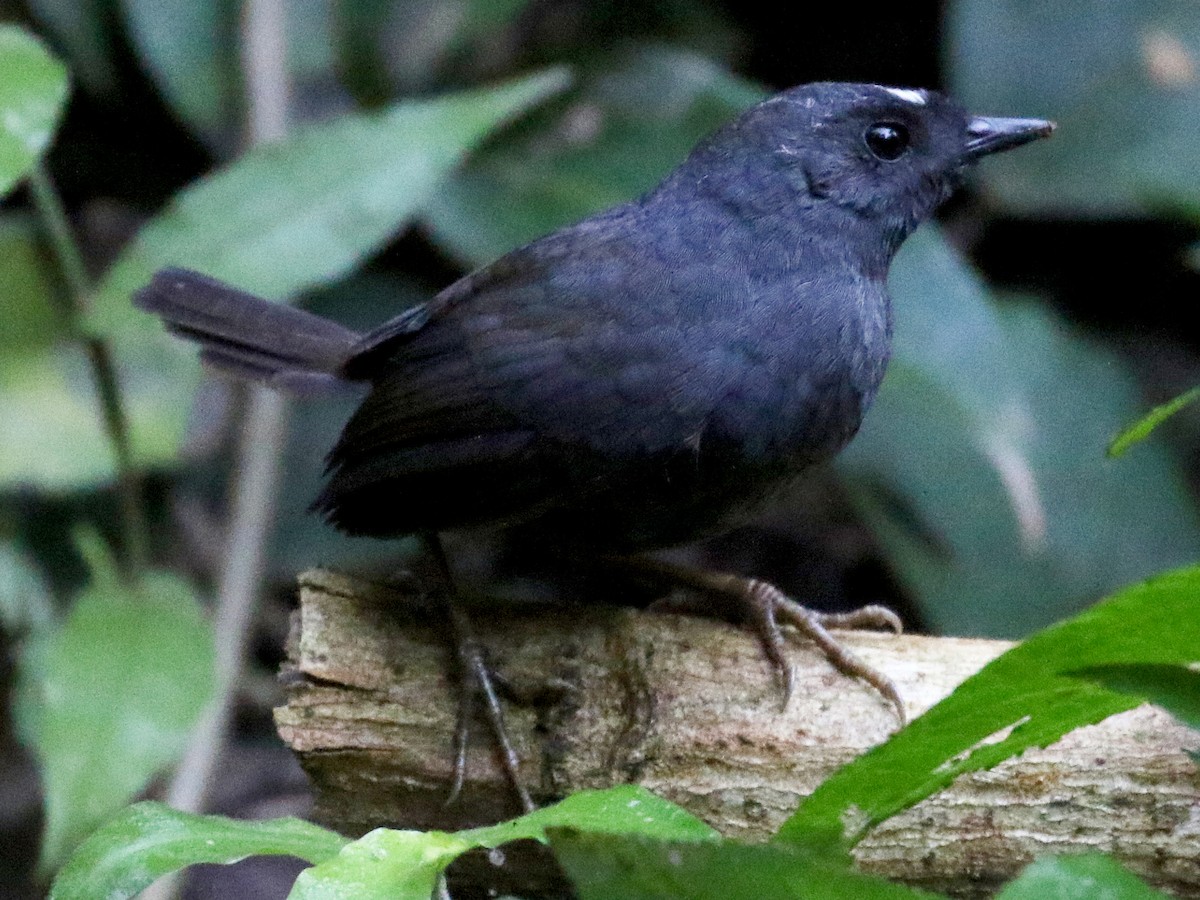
690	709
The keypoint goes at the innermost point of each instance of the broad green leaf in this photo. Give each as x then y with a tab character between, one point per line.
25	603
981	465
190	50
286	217
609	141
1030	690
108	698
1088	876
1142	428
1127	71
405	865
604	867
1175	688
33	91
148	840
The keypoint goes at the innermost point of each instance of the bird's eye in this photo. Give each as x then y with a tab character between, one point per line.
887	140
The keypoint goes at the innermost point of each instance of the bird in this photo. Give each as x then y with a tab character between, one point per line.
648	376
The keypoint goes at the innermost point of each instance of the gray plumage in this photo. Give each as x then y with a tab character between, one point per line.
648	375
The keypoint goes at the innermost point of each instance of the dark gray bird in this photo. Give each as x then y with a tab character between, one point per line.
652	374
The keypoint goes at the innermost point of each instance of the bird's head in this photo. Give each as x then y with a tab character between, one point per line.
884	156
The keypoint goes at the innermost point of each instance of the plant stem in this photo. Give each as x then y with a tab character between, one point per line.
104	374
260	451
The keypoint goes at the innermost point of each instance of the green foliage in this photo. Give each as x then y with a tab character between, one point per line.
1143	427
33	92
627	125
1120	80
626	843
283	218
1175	688
981	465
1028	697
405	865
148	840
606	867
109	696
1089	876
190	50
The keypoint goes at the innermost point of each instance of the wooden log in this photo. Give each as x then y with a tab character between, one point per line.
690	709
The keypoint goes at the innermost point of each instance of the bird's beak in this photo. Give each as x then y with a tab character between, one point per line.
989	134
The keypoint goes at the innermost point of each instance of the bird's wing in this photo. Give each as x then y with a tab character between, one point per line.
483	402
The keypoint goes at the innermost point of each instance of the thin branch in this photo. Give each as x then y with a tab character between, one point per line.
104	374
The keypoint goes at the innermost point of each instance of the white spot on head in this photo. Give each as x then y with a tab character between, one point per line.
908	95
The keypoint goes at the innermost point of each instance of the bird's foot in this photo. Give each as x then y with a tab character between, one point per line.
478	683
764	607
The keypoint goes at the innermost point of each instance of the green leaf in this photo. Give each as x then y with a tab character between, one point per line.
149	840
625	809
286	217
405	865
1089	876
382	865
1175	688
190	50
1030	690
1127	71
1141	429
108	698
53	436
981	463
33	92
609	141
608	867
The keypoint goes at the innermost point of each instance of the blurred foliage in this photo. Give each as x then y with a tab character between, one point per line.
1119	78
109	696
32	93
285	217
980	469
148	840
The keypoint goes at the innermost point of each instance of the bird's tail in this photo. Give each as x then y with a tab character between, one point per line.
246	335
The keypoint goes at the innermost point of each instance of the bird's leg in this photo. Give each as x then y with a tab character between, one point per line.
475	681
763	606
